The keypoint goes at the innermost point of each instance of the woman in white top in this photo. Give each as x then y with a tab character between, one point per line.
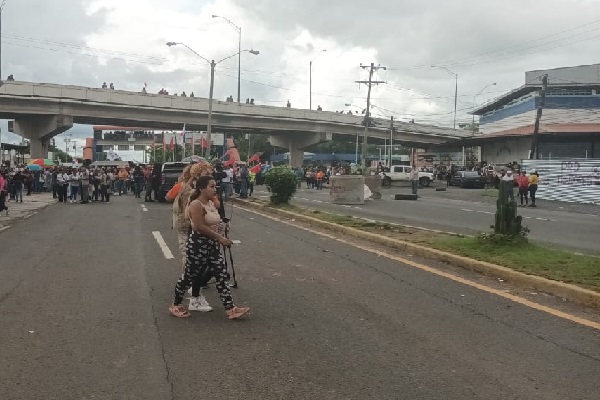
74	183
203	250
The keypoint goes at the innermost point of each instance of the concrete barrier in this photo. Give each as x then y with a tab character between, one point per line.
347	189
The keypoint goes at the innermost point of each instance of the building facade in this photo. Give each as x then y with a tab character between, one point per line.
569	126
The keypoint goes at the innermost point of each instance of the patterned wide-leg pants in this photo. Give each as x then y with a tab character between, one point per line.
203	258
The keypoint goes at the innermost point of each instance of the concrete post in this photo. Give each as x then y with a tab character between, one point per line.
40	129
296	142
296	157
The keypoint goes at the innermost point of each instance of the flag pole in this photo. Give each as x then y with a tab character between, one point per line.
153	147
183	144
164	152
193	144
174	145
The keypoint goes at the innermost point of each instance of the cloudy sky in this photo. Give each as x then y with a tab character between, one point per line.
87	42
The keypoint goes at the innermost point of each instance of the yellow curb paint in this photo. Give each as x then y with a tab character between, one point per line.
455	278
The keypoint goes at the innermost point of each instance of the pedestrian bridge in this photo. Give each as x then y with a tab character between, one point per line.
43	110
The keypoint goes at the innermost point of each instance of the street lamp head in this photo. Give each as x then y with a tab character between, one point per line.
215	16
171	44
255	52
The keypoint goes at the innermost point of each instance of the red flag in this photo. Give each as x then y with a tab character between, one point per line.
255	157
256	168
172	144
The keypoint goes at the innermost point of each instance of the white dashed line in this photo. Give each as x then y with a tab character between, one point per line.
163	245
144	207
466	209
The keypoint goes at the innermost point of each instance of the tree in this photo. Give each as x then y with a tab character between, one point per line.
59	154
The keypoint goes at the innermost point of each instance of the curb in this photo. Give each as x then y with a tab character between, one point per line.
10	223
569	291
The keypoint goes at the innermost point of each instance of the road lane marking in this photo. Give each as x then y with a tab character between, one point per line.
466	209
163	245
144	207
455	278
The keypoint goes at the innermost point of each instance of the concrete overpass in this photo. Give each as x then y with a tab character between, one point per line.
43	110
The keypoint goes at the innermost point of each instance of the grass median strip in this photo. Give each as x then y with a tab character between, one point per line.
558	265
529	258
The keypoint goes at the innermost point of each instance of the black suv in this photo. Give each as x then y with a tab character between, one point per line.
169	174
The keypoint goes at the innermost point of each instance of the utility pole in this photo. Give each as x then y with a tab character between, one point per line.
1	8
67	142
391	140
210	106
370	82
533	153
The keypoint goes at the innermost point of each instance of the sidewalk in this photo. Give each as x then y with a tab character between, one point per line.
31	205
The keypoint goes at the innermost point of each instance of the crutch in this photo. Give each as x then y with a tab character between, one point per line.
228	250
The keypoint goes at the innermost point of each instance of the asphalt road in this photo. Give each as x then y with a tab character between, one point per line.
466	211
84	292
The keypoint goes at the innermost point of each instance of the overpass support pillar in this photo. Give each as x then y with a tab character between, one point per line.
296	142
40	129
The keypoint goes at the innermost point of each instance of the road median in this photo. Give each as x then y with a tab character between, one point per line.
571	292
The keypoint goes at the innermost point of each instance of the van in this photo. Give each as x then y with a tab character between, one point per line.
169	175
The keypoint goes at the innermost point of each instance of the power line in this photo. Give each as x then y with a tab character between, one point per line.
476	59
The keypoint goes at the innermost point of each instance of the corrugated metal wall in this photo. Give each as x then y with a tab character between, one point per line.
574	180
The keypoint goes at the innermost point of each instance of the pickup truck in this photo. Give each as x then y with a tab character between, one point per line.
401	173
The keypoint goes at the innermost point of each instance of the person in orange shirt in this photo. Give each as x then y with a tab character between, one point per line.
123	175
320	175
523	182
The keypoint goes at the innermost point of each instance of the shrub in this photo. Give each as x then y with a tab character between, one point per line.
281	182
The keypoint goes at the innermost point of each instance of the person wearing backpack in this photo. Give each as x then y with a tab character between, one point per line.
244	182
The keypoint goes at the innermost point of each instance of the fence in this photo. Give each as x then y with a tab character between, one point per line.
574	180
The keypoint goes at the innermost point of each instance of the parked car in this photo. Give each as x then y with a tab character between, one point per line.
169	174
468	179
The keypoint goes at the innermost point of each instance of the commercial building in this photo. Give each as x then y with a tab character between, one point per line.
569	126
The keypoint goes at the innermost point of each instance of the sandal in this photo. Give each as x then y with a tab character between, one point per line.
237	312
179	311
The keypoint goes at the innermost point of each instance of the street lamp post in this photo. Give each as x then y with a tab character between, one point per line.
239	31
455	75
210	93
474	97
1	9
310	78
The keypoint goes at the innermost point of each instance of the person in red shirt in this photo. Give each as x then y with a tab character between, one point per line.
523	182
